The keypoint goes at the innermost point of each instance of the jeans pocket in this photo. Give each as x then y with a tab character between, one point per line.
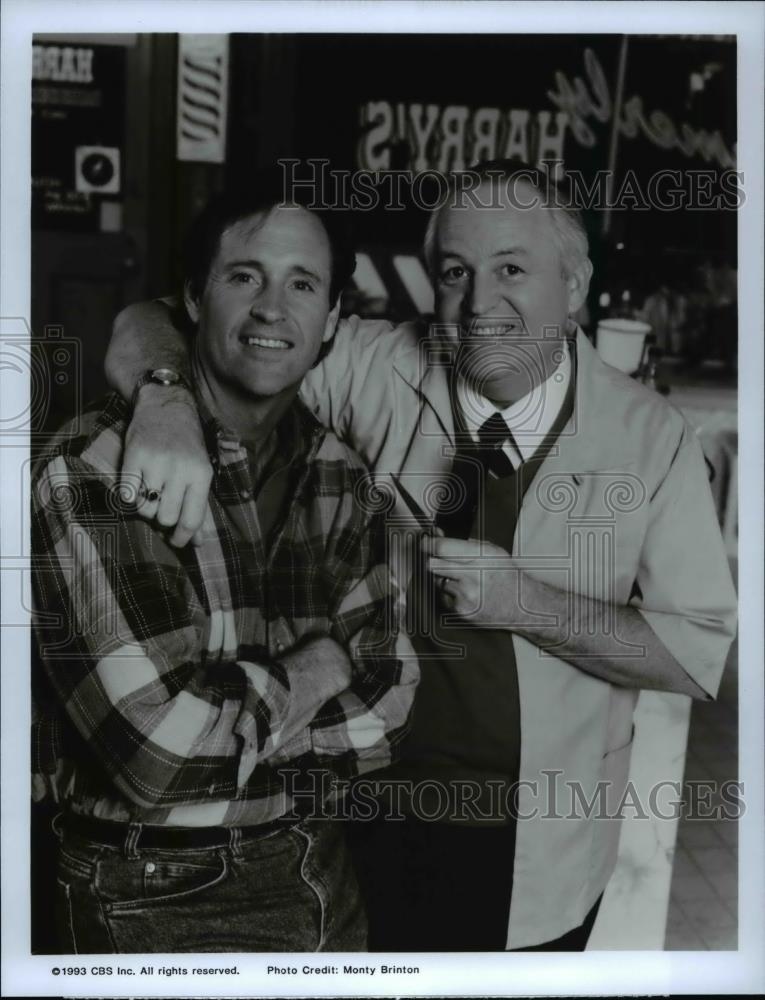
73	867
151	880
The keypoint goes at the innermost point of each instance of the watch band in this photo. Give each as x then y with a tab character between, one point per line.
158	376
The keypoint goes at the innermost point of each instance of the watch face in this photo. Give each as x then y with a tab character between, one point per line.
165	376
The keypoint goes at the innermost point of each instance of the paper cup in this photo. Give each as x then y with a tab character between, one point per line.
620	342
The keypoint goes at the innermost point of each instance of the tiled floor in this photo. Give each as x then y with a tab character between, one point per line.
704	892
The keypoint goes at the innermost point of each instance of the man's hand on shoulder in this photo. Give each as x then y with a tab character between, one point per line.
165	453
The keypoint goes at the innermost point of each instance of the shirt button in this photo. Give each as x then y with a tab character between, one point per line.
280	647
244	494
150	868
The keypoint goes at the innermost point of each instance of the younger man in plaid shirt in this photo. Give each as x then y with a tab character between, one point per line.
209	691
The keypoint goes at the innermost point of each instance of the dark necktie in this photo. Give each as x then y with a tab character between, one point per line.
492	435
473	465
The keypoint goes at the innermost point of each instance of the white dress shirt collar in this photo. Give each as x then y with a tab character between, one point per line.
529	419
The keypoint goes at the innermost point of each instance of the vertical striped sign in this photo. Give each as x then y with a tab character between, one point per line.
202	97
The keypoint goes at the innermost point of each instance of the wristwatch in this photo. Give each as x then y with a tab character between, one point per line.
159	376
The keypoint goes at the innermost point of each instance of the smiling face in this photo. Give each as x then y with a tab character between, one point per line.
500	282
265	309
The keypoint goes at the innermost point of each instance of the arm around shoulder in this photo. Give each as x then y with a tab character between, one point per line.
164	446
355	366
144	337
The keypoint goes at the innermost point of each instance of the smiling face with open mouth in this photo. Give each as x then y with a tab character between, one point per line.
500	283
265	310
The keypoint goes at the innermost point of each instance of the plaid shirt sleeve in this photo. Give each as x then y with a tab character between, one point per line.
368	720
121	629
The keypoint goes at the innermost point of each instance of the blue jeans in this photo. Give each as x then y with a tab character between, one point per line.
291	890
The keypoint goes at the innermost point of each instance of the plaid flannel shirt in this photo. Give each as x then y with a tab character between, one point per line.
166	661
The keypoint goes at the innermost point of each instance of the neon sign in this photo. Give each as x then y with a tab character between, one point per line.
451	137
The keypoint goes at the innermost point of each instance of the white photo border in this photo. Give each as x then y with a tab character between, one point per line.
440	975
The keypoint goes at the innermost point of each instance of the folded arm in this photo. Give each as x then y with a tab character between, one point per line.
609	641
121	633
361	727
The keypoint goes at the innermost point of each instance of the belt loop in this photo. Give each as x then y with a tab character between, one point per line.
130	847
235	842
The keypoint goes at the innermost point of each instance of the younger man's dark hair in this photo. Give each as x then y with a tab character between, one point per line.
264	190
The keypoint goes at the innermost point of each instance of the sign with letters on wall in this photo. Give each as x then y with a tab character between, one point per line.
78	123
451	137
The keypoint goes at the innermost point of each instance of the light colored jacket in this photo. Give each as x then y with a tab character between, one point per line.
621	511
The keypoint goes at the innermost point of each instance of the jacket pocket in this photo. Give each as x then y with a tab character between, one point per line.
623	746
